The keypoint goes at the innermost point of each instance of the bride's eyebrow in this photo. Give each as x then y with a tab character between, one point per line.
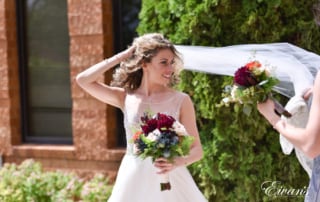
163	60
166	59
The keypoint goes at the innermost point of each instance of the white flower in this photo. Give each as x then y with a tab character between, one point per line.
233	91
226	100
154	135
179	129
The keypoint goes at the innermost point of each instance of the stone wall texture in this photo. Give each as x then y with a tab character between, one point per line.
93	123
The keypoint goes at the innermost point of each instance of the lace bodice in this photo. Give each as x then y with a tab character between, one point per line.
135	106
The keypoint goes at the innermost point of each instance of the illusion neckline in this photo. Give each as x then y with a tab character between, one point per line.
154	99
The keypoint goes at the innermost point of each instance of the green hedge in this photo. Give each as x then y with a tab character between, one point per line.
241	152
28	182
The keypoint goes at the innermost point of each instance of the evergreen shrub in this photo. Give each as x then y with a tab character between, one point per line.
240	152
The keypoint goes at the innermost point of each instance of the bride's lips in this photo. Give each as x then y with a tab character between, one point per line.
167	76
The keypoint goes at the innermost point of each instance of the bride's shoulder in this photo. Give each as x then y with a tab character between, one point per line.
180	93
182	99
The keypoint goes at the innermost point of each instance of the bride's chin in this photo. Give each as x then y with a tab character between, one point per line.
166	83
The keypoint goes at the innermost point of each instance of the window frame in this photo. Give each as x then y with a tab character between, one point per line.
23	78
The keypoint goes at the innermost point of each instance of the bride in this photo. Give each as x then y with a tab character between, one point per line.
148	70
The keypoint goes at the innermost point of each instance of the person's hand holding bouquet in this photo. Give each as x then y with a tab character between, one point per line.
252	84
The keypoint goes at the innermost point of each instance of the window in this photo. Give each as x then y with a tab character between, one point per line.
125	21
43	41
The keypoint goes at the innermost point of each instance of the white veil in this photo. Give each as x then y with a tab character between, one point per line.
295	67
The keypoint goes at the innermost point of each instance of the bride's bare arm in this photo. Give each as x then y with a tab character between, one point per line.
307	139
188	119
88	80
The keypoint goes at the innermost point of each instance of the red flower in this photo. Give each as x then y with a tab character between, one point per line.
244	77
164	121
149	125
251	65
160	121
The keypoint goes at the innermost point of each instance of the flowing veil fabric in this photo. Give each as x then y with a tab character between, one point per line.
295	67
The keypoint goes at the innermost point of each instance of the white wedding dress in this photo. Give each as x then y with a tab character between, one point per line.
137	180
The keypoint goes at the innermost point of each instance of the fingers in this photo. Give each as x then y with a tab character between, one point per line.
163	165
266	108
129	51
267	104
132	48
307	93
161	160
126	54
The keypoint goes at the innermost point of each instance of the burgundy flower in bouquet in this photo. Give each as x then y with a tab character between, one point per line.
245	76
252	83
161	136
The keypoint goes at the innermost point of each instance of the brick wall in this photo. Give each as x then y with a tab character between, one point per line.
93	123
9	79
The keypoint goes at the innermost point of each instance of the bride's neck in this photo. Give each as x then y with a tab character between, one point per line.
147	90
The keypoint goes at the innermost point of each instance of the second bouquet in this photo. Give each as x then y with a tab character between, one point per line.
161	136
252	83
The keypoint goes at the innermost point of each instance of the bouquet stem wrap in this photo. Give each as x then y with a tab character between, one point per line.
279	109
164	182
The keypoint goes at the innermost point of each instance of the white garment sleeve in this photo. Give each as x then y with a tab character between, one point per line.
298	107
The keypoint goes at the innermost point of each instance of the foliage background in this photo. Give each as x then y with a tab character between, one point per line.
240	152
28	182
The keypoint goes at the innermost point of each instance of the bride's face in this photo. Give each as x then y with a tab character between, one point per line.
161	67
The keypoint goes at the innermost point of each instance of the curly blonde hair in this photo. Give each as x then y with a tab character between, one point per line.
129	74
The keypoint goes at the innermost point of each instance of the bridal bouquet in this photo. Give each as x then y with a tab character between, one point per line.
252	83
161	136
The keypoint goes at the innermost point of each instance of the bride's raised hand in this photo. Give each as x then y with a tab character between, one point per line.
126	53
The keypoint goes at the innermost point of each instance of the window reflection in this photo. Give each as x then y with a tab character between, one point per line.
48	103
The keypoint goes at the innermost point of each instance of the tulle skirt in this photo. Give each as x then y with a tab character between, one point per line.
137	181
